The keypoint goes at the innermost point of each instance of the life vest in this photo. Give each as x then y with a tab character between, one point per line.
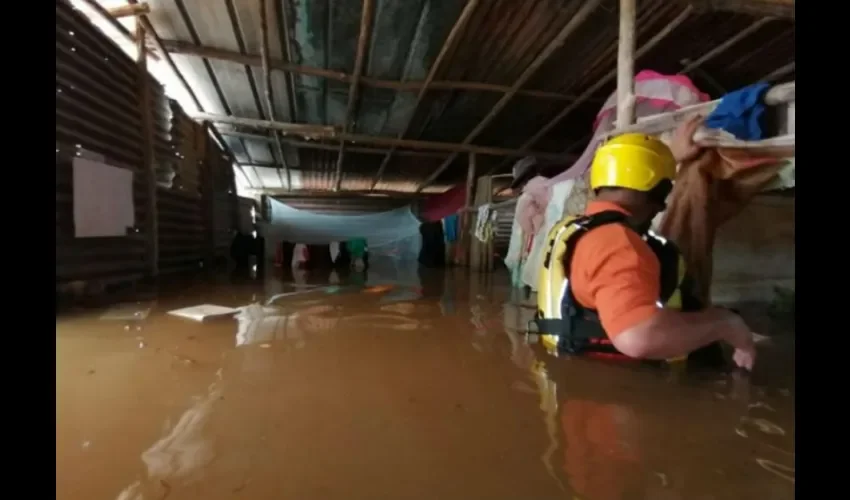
567	327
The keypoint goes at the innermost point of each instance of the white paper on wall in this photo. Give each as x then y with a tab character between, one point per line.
103	199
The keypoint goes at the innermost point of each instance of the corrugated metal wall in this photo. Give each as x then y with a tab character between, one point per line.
97	110
246	222
182	235
223	223
183	225
98	115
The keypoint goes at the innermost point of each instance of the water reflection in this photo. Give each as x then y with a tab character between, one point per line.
180	455
376	386
611	440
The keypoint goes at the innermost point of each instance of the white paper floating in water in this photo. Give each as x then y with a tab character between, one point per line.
204	312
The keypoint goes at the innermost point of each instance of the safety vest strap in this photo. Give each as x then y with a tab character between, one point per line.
573	337
583	226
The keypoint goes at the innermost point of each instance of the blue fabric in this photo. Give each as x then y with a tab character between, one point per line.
740	113
450	228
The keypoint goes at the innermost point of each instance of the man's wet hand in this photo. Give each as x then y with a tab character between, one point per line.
682	144
745	358
739	336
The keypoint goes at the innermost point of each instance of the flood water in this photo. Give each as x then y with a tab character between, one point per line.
397	392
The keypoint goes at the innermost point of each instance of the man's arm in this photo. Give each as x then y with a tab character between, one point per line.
672	333
620	279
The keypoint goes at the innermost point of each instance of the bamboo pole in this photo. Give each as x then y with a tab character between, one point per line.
106	15
129	10
331	133
466	217
626	64
151	216
577	20
779	72
360	58
454	35
657	124
588	93
187	48
267	94
332	147
723	47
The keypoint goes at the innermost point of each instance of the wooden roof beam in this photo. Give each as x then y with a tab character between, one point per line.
332	147
267	94
571	26
188	48
451	40
365	33
646	47
133	10
323	132
104	14
774	8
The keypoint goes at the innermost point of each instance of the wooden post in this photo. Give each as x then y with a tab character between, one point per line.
209	157
470	180
481	253
466	217
626	64
151	216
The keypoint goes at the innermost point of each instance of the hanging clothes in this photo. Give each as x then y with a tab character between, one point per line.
554	212
450	228
440	206
481	222
334	247
300	256
709	191
484	223
433	252
356	248
741	112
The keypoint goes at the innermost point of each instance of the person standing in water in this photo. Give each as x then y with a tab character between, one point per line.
606	279
357	249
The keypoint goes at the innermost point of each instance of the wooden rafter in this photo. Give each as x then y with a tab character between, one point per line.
333	147
187	48
322	132
360	59
267	91
107	16
775	8
729	43
453	37
583	13
131	10
646	47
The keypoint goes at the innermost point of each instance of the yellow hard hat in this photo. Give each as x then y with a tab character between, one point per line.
633	161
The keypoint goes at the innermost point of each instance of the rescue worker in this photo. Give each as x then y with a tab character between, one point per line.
607	280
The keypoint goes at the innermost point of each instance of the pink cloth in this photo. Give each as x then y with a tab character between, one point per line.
654	93
440	206
532	204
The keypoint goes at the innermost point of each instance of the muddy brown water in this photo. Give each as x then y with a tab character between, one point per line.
391	394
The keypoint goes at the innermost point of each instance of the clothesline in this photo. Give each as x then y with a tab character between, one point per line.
662	122
779	94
